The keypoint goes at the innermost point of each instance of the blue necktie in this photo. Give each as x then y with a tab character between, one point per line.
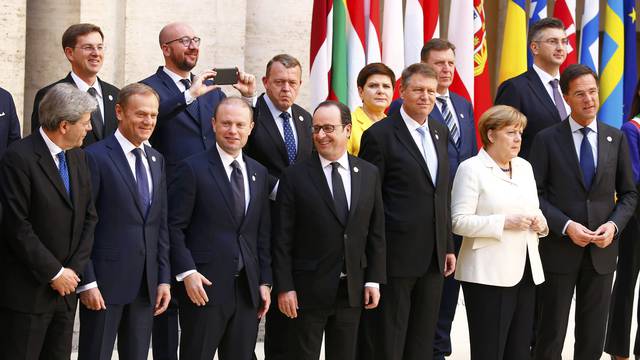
289	140
448	119
586	158
142	181
63	170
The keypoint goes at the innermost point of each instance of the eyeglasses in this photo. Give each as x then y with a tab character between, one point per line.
555	42
328	129
186	41
91	48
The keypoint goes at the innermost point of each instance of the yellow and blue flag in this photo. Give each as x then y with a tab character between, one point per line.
611	85
513	60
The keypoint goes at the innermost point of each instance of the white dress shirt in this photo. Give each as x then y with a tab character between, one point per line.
546	78
188	99
430	155
83	86
227	159
127	148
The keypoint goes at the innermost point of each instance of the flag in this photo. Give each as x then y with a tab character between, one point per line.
321	38
339	56
589	35
537	11
513	59
372	14
630	63
413	31
482	80
393	38
431	19
355	51
565	10
612	64
461	35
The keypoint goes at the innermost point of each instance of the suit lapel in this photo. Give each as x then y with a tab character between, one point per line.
120	161
569	150
402	133
356	181
319	180
269	124
156	173
302	129
222	180
441	150
539	89
253	189
108	103
48	166
604	147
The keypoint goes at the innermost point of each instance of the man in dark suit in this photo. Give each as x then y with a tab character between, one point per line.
536	92
83	45
280	137
329	248
456	113
581	166
126	282
410	150
9	123
47	232
187	104
220	254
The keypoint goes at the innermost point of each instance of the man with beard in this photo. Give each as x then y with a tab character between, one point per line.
187	104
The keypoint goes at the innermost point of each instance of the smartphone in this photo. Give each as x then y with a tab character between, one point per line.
226	76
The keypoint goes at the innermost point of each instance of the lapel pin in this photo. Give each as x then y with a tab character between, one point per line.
609	139
462	116
153	158
355	169
437	137
253	177
110	98
300	118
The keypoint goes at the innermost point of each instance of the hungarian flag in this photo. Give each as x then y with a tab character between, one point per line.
355	50
565	10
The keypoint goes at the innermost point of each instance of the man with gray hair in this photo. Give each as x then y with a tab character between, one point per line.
47	232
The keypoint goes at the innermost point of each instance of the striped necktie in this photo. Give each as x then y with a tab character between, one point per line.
448	119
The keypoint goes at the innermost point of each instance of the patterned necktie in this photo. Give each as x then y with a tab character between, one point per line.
186	83
339	194
142	181
289	140
63	170
557	99
237	190
586	158
431	164
448	119
97	122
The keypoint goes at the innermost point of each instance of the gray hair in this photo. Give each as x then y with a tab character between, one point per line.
64	102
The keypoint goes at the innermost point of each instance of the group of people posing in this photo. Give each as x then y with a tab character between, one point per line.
167	202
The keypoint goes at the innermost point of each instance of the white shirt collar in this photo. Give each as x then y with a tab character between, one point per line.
544	76
575	126
83	86
413	124
343	161
275	112
126	145
227	159
446	94
53	148
175	77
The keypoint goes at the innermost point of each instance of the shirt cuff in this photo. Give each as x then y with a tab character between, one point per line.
89	286
250	100
614	225
58	274
188	99
372	285
274	192
180	277
566	225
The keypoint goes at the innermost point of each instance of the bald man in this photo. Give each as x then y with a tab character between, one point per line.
187	104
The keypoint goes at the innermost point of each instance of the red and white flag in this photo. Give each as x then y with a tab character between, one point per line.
431	19
482	80
355	49
373	30
393	36
461	35
321	37
413	31
565	10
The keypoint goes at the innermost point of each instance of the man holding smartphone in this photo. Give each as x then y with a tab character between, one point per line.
187	104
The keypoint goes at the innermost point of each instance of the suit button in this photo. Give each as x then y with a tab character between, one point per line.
204	138
346	236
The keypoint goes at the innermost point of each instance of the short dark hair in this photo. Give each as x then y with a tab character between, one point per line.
286	60
435	44
542	24
375	69
135	89
70	36
345	113
572	72
233	100
417	68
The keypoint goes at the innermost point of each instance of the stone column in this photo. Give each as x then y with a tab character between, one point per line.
13	15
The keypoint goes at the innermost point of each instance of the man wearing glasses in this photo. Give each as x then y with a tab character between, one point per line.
187	105
536	92
83	45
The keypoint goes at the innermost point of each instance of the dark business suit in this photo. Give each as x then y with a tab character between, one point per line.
418	234
564	196
109	98
9	123
311	246
210	239
181	131
130	254
44	229
267	146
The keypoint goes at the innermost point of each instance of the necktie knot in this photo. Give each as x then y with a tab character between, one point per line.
137	152
285	116
421	131
235	165
554	83
442	99
92	91
335	165
186	83
61	157
585	131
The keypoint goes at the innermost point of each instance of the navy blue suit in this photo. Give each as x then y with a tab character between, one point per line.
181	130
9	124
207	237
130	254
468	148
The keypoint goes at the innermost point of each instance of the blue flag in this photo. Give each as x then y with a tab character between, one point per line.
630	63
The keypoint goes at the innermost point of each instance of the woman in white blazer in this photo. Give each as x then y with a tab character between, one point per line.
495	208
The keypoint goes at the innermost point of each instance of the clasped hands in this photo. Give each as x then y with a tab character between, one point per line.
66	283
535	223
582	236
